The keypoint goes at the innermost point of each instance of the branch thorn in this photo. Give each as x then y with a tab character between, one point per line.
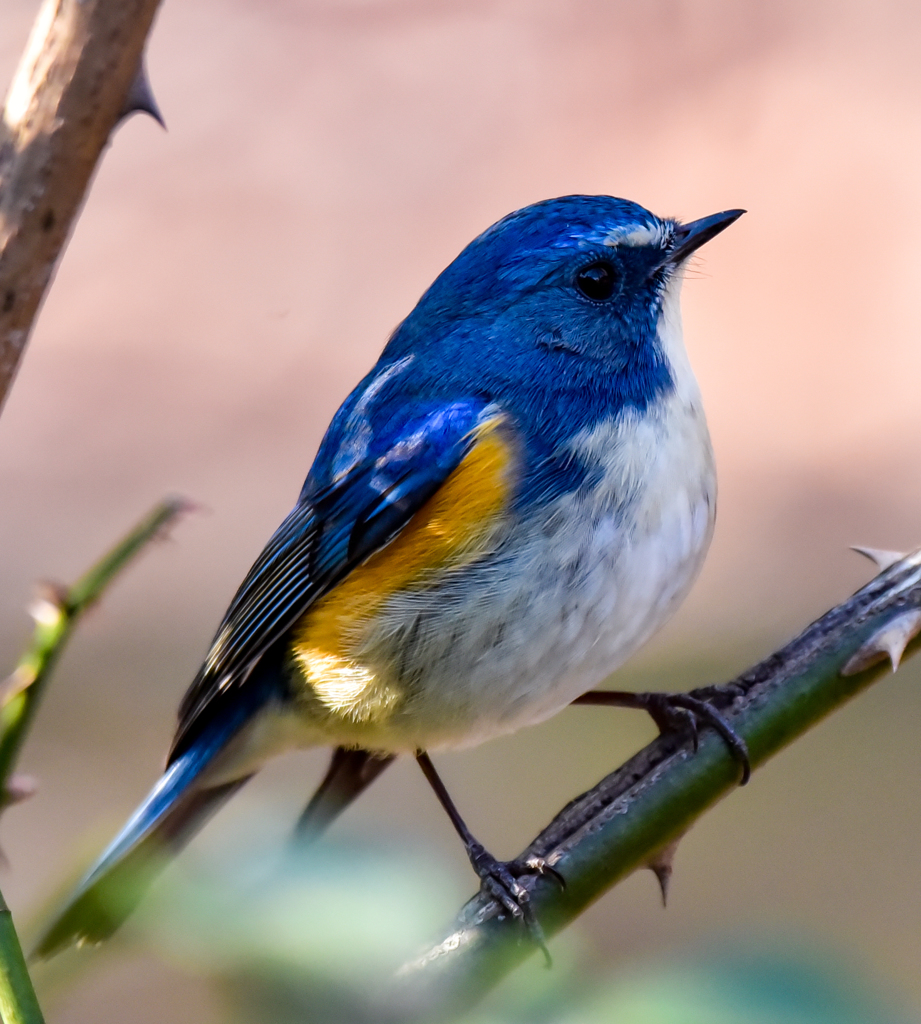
889	642
140	98
19	787
49	604
883	558
661	865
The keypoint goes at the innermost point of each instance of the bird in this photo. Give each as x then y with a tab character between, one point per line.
511	502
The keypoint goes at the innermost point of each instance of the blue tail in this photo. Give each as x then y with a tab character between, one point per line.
171	814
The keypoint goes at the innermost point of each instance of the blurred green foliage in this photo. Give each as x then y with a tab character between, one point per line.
313	935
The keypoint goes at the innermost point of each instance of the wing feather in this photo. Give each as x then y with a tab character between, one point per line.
328	533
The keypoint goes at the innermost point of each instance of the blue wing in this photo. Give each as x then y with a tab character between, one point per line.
352	504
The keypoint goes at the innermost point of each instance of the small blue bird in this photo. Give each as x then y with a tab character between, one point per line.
511	502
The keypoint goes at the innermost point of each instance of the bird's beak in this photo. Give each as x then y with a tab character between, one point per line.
690	237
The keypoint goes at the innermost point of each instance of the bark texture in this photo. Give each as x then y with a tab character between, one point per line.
68	93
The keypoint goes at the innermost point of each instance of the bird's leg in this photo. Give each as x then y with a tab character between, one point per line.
499	878
350	772
678	712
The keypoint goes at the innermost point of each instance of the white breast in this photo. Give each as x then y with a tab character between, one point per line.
603	572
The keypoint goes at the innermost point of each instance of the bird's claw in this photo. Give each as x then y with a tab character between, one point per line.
726	692
499	879
536	866
680	712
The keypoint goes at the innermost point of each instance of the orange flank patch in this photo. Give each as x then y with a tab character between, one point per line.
450	530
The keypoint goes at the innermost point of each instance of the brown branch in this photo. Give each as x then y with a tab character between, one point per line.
69	92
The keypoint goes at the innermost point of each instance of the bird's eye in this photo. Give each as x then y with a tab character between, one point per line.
597	281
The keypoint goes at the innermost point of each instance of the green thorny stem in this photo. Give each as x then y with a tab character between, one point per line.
634	817
56	614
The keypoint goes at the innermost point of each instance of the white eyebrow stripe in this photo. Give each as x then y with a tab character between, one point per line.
643	235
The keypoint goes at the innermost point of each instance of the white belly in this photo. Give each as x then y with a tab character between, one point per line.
516	638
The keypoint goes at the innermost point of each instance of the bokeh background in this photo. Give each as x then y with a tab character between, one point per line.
231	279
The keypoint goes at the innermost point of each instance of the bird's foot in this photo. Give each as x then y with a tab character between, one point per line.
687	712
682	713
499	879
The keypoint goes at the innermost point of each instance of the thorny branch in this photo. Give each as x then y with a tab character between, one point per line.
635	816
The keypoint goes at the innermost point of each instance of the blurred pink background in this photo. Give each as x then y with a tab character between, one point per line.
231	279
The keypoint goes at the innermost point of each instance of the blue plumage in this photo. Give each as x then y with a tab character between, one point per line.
534	425
503	322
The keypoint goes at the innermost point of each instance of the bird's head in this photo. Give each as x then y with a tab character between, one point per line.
582	281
